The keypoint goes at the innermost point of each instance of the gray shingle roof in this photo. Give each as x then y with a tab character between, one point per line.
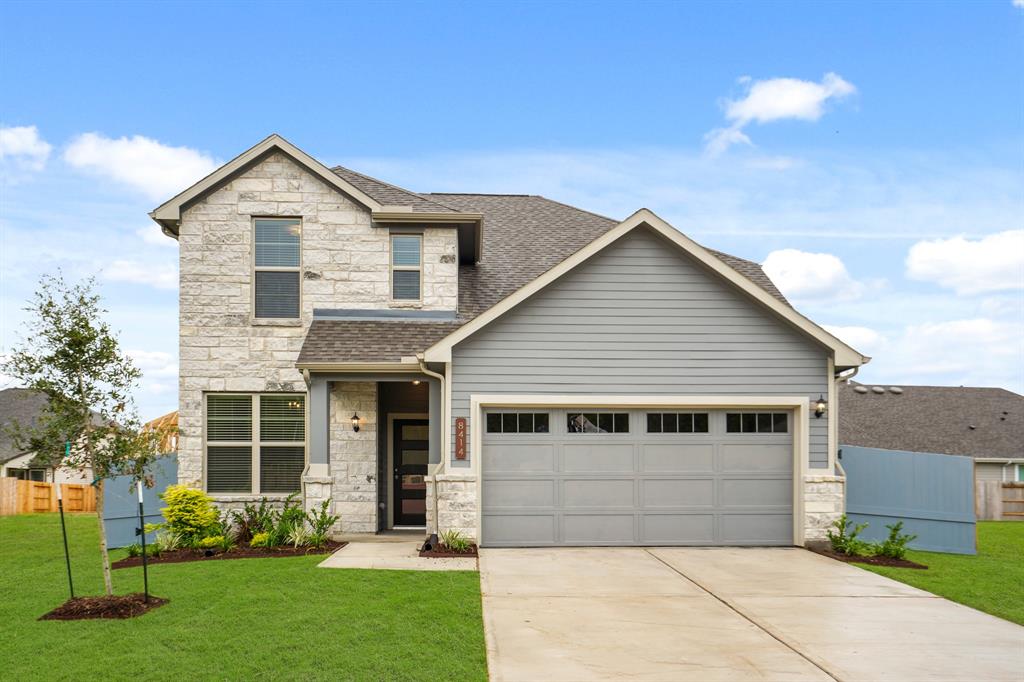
523	237
390	194
21	406
934	419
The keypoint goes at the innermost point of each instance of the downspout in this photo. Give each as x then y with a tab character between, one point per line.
444	438
840	377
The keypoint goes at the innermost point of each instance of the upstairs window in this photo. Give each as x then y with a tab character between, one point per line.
277	274
406	267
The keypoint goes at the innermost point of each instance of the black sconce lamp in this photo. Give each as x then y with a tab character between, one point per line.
355	422
820	406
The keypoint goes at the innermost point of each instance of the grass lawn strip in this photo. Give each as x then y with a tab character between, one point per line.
991	581
261	619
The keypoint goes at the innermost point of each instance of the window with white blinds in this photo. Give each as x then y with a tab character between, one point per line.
255	443
406	267
277	274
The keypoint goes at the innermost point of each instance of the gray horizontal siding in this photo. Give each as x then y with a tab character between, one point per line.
640	318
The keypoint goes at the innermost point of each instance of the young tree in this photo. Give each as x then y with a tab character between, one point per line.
70	354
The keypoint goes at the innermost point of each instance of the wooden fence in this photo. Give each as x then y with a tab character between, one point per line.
28	497
998	501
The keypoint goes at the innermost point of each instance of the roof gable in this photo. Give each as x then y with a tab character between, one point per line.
168	213
844	355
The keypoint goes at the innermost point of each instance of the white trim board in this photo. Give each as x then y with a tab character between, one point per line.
801	430
844	355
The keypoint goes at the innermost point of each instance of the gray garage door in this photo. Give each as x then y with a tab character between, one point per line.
637	477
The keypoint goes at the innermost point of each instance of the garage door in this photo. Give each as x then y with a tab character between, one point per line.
636	477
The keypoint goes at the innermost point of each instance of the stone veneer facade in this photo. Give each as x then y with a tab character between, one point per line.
344	265
824	502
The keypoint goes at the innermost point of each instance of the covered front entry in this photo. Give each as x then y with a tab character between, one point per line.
659	476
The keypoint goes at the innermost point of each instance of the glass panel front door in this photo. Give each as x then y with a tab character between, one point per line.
411	456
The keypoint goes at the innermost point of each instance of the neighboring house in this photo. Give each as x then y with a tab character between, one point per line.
520	370
169	439
984	423
23	406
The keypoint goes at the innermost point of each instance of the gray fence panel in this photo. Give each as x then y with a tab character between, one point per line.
932	494
121	503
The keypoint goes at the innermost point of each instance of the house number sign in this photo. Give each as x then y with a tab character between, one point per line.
460	438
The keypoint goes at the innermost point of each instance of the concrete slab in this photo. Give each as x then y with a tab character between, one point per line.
894	638
393	555
577	572
776	572
638	638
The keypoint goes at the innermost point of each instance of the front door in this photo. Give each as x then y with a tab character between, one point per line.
411	453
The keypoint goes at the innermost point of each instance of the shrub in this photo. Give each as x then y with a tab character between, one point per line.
169	540
155	548
320	523
253	519
134	550
844	540
260	540
189	512
290	518
455	541
211	542
895	546
299	536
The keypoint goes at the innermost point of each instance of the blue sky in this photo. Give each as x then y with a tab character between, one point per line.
872	156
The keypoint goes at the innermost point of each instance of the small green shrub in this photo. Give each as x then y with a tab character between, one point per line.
844	539
134	550
169	541
253	519
260	540
227	542
895	546
320	523
211	542
189	512
155	548
290	518
299	536
455	541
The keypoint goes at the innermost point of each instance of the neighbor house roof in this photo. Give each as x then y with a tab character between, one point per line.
169	440
524	237
21	406
977	422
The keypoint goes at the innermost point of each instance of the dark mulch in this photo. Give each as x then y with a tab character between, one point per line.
873	560
117	606
178	556
442	552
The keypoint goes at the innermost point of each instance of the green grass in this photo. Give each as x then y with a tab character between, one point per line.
248	619
991	581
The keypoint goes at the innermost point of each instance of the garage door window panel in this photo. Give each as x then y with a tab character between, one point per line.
757	422
518	422
597	422
677	422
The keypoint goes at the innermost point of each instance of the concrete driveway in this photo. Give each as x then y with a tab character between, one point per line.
726	614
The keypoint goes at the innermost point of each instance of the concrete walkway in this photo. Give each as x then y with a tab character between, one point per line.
726	614
391	554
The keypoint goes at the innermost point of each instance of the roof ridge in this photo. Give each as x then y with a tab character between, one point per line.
334	169
480	194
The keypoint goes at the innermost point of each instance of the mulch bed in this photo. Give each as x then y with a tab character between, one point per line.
442	552
873	560
178	556
117	606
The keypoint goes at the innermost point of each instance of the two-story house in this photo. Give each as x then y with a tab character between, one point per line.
527	372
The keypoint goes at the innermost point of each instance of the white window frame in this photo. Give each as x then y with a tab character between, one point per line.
254	444
392	267
275	268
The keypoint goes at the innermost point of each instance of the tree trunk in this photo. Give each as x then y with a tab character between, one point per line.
107	583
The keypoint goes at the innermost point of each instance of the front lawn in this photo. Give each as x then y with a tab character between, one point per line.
991	581
270	619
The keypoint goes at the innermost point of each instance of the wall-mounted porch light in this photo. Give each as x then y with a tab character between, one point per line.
415	382
355	422
820	406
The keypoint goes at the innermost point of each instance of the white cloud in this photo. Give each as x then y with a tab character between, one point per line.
154	363
992	263
159	275
1018	3
23	146
864	339
979	351
152	234
811	276
158	170
775	99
